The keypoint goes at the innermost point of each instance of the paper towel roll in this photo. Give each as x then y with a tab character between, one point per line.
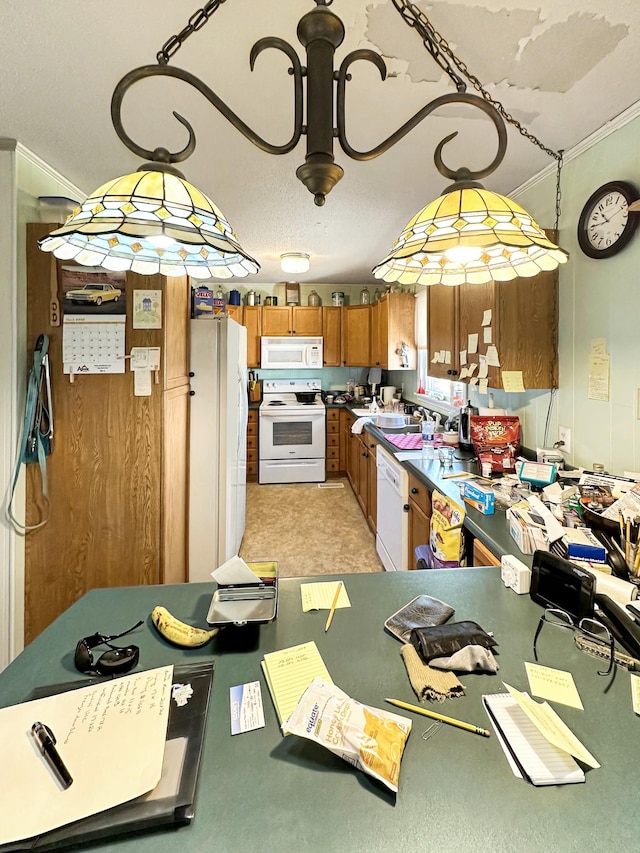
617	589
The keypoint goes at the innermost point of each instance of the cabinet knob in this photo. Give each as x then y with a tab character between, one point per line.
406	508
192	393
452	372
191	374
414	491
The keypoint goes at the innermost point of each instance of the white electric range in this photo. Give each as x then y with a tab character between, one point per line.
292	432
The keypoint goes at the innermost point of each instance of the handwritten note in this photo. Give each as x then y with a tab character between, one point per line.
472	344
552	728
110	735
598	388
289	672
635	693
486	317
553	684
487	334
512	380
319	596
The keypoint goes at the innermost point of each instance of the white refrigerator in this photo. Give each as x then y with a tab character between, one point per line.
218	446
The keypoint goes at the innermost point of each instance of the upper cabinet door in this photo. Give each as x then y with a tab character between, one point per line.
306	321
442	331
276	320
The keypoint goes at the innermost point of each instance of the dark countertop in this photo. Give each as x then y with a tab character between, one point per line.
491	530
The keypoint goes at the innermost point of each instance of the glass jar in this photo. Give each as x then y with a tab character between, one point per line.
365	296
313	299
377	293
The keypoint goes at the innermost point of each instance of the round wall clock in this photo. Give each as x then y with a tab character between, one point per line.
606	226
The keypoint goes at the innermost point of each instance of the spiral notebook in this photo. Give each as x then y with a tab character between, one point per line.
528	752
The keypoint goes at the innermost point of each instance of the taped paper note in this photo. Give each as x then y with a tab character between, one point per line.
512	380
463	373
472	344
442	356
556	685
436	358
483	386
598	346
472	368
463	356
483	372
492	356
487	334
635	693
447	357
598	377
486	317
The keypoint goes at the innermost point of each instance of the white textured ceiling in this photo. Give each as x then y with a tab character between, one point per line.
563	68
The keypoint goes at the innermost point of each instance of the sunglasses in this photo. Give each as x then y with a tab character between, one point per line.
115	661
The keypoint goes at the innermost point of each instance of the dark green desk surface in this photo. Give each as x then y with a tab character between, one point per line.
260	791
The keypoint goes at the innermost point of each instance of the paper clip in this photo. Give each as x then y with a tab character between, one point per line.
431	731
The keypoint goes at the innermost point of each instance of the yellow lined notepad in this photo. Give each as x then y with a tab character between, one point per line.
319	596
289	672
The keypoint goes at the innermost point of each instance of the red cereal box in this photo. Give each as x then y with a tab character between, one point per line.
496	441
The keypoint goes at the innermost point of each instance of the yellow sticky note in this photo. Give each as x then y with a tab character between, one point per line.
556	685
635	693
319	596
549	724
512	380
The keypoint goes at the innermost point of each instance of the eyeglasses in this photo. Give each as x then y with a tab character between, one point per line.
588	626
117	660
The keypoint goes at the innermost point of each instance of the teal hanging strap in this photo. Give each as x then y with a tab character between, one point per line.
37	431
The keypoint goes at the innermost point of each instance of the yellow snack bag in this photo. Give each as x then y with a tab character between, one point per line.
370	739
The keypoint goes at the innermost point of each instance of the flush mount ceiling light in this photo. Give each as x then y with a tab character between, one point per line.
295	262
154	221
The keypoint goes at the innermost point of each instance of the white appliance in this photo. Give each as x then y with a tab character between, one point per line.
292	432
218	444
392	537
289	353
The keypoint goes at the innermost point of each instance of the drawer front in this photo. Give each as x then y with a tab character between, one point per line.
333	440
332	465
333	415
419	493
252	442
252	456
332	427
252	469
252	428
253	416
333	452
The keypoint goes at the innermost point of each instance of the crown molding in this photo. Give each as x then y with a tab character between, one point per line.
66	186
588	142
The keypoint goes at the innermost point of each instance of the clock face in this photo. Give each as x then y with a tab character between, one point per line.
606	225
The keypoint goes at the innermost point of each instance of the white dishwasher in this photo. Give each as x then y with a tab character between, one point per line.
392	538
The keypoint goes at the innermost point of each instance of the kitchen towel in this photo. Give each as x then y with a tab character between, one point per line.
358	426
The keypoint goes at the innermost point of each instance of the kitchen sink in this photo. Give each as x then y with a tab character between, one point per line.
361	413
405	428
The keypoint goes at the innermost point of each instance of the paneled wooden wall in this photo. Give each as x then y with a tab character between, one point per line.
117	474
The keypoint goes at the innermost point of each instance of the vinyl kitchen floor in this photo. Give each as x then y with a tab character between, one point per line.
308	530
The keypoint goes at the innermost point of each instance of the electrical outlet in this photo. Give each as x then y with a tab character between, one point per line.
564	435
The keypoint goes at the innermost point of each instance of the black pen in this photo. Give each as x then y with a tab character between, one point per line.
47	742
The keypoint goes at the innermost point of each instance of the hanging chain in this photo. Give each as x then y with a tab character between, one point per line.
415	18
558	189
195	23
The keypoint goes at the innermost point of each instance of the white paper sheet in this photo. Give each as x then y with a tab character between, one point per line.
111	737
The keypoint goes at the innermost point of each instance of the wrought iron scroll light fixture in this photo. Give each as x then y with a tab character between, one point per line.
154	221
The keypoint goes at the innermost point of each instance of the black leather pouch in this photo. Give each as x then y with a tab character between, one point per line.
441	641
422	611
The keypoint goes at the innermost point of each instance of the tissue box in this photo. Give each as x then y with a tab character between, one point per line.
479	496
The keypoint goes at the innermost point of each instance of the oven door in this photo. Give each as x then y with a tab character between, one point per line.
295	435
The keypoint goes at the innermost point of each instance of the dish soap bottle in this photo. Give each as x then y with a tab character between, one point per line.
428	432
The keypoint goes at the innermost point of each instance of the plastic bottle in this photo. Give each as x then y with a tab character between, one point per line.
428	431
373	407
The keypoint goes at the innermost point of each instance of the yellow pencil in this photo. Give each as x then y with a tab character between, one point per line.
333	607
468	727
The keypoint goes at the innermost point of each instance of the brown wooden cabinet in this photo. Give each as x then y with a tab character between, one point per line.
372	483
235	312
252	446
523	328
118	471
482	556
332	334
333	439
393	324
252	320
419	517
300	320
346	419
356	336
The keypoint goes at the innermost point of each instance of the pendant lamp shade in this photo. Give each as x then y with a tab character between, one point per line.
469	235
151	222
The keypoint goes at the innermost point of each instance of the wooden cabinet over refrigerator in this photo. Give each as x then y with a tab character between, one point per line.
118	471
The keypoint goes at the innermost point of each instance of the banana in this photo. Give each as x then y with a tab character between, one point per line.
177	632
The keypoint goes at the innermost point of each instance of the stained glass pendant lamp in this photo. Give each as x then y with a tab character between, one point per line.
151	221
469	235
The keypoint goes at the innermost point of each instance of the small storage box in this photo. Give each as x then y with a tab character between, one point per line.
480	497
247	604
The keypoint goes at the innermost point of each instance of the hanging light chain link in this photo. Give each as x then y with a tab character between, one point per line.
415	17
195	23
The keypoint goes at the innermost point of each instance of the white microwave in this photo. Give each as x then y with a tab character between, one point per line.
288	353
